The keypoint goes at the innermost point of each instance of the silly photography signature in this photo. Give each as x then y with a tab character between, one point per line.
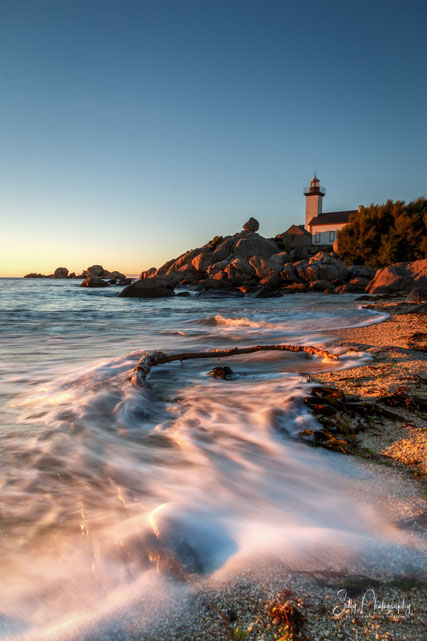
369	603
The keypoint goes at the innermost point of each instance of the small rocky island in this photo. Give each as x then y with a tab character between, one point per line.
94	276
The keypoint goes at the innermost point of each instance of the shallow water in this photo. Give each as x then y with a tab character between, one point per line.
106	489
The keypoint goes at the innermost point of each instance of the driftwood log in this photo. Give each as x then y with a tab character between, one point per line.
150	359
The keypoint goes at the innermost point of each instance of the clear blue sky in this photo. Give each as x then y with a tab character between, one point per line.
131	131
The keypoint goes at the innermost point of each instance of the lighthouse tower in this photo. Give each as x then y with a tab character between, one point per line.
313	205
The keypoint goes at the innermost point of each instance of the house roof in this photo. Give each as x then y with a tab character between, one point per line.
298	230
332	218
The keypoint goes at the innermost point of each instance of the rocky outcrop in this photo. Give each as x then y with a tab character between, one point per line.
155	287
322	266
248	264
399	277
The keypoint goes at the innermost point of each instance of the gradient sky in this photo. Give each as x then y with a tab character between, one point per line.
132	131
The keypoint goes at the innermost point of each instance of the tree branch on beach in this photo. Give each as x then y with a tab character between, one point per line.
150	359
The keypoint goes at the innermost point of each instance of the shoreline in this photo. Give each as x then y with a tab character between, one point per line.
269	601
396	373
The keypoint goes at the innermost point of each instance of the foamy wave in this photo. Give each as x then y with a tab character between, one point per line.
241	321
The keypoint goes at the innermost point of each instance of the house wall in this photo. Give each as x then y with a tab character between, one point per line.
325	234
295	240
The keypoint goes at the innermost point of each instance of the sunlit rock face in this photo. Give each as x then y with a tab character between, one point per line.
254	265
399	277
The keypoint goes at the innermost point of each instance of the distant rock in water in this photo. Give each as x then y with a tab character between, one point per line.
251	225
60	272
149	288
34	275
94	281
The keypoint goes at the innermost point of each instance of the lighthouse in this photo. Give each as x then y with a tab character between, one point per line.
313	204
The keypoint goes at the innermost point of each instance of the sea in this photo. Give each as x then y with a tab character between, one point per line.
111	495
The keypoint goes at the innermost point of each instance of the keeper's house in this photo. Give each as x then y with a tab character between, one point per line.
323	227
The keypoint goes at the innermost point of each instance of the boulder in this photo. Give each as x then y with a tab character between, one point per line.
349	289
94	281
184	259
224	249
271	283
281	258
60	272
247	289
118	275
266	292
360	271
95	270
251	225
231	292
211	283
253	244
165	267
320	286
216	267
148	273
295	287
324	257
324	268
187	274
203	260
300	253
239	271
155	287
361	282
289	273
417	295
399	277
265	267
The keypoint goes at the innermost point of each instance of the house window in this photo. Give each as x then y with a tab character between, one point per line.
317	237
331	236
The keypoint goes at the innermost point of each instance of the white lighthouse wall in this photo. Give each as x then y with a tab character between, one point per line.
313	208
